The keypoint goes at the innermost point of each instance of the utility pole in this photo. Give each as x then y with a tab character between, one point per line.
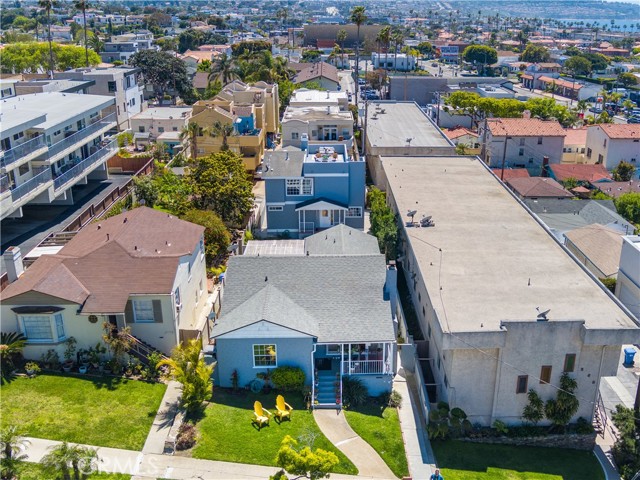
438	109
504	156
483	152
364	132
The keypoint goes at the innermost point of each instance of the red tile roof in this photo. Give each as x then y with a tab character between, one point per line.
575	136
524	127
537	187
620	131
511	173
560	83
581	172
454	133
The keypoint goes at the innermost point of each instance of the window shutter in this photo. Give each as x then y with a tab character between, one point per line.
157	311
128	312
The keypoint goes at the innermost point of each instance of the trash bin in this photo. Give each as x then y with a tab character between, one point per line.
629	353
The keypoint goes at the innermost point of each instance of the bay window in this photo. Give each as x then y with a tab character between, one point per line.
42	328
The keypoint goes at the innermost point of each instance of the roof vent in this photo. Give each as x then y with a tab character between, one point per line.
135	247
266	278
99	226
107	237
125	220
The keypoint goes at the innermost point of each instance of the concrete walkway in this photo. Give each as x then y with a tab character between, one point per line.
164	420
335	427
144	466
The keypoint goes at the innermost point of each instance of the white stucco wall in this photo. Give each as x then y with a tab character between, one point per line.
614	151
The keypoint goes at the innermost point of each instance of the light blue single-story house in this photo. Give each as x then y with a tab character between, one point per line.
326	305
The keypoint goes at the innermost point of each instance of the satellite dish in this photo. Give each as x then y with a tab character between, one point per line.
412	213
542	316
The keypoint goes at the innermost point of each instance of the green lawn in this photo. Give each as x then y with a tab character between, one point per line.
381	429
34	471
102	411
472	461
226	432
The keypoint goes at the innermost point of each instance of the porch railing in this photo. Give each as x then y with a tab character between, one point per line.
307	227
41	177
77	170
363	367
82	134
22	150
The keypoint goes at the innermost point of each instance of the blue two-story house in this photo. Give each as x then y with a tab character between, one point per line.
313	188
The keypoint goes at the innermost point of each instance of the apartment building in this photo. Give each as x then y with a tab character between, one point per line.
317	116
50	142
609	144
524	143
491	334
628	284
252	110
121	47
125	84
161	124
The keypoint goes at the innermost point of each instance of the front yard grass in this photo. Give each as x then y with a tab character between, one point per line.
35	471
473	461
225	432
101	411
380	428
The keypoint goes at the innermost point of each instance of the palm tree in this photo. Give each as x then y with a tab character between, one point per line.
223	69
358	17
398	39
191	131
11	344
187	366
11	444
383	39
82	5
341	37
64	460
224	130
49	5
95	42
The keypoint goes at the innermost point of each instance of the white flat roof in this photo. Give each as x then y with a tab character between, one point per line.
304	95
400	121
163	113
59	107
497	262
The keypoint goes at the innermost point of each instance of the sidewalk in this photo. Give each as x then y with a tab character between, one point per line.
164	420
143	466
335	427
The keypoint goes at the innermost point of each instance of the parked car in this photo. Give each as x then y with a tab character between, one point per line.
434	64
362	81
634	119
595	110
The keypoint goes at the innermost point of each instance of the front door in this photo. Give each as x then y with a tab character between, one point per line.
325	219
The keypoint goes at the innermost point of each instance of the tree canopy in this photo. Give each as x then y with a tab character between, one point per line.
480	54
623	172
163	71
535	54
216	236
628	205
32	57
241	48
578	65
304	462
628	79
220	183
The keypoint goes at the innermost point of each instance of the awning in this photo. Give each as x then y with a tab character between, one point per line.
320	204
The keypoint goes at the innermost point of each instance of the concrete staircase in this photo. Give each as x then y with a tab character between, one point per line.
326	390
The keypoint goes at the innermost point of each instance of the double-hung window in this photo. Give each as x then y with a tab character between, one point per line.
42	328
354	212
265	356
143	311
299	186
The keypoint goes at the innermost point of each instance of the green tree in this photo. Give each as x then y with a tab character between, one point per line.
578	65
628	79
570	183
220	183
11	346
223	69
628	205
145	190
535	54
383	222
383	39
285	90
480	54
425	48
49	5
224	130
96	43
626	450
163	71
249	47
188	367
70	461
358	16
623	172
598	60
561	409
190	132
190	39
304	462
216	235
533	411
11	445
82	5
340	38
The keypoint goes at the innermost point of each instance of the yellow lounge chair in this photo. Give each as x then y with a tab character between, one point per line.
283	409
261	415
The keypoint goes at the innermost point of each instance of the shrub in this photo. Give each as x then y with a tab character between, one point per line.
500	427
288	379
533	411
392	399
186	436
32	367
583	426
354	392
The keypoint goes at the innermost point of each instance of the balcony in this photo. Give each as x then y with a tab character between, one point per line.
82	135
85	166
23	151
41	177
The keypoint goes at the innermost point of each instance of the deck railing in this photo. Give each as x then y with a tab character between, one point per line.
77	170
19	151
42	176
363	367
81	135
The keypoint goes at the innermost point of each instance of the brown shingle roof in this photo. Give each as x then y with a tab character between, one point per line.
537	187
601	245
615	189
511	173
317	70
524	127
136	252
620	131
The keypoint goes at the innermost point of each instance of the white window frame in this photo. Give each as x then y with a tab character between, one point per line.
134	304
295	135
254	354
177	297
275	208
56	321
304	186
354	212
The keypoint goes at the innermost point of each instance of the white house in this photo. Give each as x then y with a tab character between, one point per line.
161	124
143	269
391	61
610	143
628	284
316	124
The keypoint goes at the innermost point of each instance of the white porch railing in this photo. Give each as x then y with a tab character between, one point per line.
363	367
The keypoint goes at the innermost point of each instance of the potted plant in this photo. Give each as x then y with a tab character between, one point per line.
106	367
32	369
83	369
84	357
95	355
50	359
69	351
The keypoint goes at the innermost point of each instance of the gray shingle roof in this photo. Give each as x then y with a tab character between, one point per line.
283	163
343	295
341	240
